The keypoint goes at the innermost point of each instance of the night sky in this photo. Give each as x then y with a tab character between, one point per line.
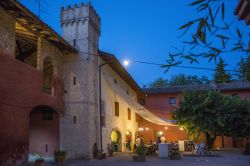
139	30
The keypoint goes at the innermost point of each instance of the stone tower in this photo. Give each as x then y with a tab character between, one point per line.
79	126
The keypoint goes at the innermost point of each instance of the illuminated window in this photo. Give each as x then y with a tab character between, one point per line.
129	114
138	118
117	109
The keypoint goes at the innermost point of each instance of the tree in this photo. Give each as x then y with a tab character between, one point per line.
221	76
158	83
244	70
211	34
211	113
183	79
177	80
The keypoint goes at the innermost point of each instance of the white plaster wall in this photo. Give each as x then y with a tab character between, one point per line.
111	93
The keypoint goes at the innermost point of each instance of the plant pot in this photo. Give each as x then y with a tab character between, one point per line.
60	159
39	162
102	156
110	153
139	158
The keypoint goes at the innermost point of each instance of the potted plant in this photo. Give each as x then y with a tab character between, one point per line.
60	156
39	162
247	149
140	154
95	150
101	155
110	150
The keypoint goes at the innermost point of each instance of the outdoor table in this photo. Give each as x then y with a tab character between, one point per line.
163	150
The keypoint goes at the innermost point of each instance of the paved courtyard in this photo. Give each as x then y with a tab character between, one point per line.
124	159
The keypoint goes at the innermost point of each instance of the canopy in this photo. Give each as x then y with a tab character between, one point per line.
149	116
139	109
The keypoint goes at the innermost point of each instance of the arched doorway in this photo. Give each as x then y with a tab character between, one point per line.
43	131
48	75
116	140
128	139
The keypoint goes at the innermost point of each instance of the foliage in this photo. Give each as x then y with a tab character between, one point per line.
210	35
60	156
177	80
140	150
158	83
244	70
213	114
39	162
110	149
221	76
183	79
247	149
95	150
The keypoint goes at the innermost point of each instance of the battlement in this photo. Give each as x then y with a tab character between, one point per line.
81	12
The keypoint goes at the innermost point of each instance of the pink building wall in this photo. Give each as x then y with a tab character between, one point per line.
159	105
20	92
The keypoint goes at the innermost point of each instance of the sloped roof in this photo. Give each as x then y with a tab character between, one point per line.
212	86
114	63
34	24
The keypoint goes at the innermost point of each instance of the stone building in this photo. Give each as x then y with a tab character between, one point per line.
50	91
62	92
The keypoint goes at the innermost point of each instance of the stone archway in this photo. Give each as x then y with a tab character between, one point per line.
43	131
129	138
116	139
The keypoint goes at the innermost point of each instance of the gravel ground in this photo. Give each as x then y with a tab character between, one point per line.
124	159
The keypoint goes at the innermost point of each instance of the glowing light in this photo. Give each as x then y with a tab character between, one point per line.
127	133
181	128
147	128
126	63
166	128
141	129
160	132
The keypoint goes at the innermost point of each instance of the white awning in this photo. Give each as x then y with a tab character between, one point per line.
139	109
149	116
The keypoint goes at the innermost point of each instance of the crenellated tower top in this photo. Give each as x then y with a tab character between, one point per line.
80	13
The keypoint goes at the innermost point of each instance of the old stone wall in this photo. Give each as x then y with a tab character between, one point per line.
7	33
80	124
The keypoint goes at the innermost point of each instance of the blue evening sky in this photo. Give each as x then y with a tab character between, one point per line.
139	30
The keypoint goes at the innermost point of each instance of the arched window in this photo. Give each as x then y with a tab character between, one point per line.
48	73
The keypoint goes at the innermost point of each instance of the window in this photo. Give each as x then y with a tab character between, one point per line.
47	115
129	114
74	119
138	118
117	109
74	42
172	100
234	94
74	80
127	92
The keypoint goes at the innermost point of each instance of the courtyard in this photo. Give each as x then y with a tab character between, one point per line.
223	158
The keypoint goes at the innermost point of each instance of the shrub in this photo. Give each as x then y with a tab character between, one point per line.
60	156
140	150
95	150
247	149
